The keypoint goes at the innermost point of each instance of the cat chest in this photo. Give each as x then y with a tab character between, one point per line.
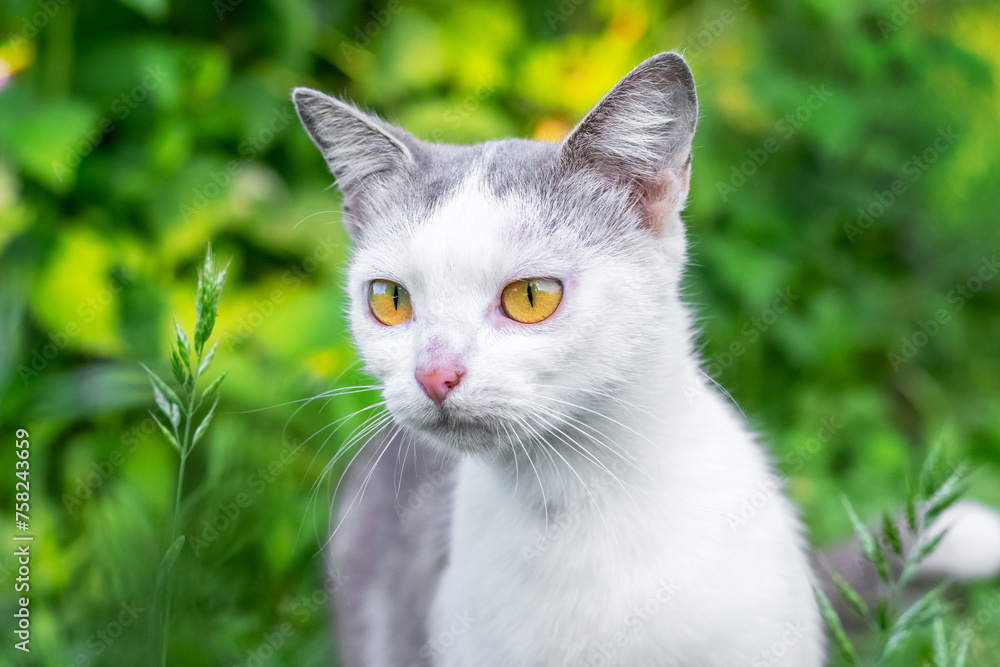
536	593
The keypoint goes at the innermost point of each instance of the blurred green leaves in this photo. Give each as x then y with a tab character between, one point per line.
895	620
180	409
167	120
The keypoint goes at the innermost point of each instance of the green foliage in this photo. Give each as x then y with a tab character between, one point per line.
181	411
894	623
846	288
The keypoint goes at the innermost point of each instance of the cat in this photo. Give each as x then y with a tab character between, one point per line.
560	481
576	472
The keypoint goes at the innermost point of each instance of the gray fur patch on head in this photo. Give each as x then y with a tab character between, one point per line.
373	161
630	156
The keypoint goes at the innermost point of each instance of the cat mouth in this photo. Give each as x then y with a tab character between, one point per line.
452	420
451	429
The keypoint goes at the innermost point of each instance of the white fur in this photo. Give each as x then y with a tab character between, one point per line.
556	544
598	509
970	550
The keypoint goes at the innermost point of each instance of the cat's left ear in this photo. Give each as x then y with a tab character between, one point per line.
639	136
366	155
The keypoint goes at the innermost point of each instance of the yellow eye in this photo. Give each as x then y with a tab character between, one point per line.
531	301
389	302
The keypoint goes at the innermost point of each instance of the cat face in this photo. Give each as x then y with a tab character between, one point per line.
500	291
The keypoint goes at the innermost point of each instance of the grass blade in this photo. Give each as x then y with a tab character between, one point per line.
872	549
835	627
166	434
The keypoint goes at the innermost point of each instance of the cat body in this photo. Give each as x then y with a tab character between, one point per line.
654	571
566	491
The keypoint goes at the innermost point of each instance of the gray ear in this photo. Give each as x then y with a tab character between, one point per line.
639	136
364	153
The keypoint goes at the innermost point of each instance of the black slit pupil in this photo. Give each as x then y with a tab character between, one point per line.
395	297
531	296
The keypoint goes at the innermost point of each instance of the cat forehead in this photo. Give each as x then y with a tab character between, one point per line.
474	234
478	207
468	224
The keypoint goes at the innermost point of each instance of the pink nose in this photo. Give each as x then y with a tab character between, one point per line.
438	382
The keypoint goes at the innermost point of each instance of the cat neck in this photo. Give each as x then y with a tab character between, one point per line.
609	446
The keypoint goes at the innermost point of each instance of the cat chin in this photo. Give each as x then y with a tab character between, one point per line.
451	435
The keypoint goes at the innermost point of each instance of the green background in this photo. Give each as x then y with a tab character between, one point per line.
134	133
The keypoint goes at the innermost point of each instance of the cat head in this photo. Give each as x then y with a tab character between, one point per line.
500	291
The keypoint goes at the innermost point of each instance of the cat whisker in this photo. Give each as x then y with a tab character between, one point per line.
712	510
589	456
603	393
338	424
336	391
598	414
377	457
573	470
401	469
370	431
313	215
517	472
372	423
535	437
607	442
359	496
723	390
307	401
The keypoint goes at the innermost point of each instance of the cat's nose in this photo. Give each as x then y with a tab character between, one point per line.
438	382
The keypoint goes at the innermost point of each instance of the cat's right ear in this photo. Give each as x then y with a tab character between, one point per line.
364	153
639	136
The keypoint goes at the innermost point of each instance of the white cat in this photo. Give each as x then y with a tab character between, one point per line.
560	478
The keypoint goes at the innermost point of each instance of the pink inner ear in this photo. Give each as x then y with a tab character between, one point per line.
663	196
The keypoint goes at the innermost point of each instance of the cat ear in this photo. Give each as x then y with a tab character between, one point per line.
364	153
639	136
